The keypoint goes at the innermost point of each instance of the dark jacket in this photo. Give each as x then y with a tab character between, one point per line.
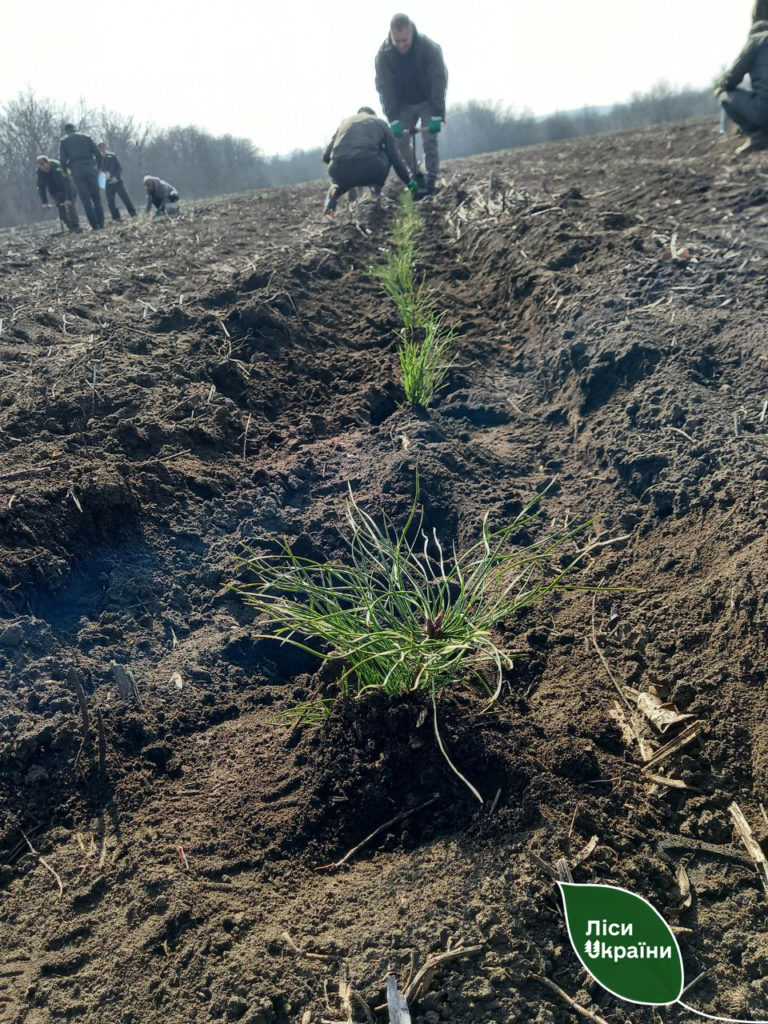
363	135
111	166
77	148
752	61
419	76
55	182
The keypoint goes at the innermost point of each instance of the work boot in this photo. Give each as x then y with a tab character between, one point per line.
431	185
329	206
757	140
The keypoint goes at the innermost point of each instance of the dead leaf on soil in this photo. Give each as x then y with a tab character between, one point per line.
661	713
684	884
586	851
664	780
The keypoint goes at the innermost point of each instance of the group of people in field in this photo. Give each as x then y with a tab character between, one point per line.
411	80
81	169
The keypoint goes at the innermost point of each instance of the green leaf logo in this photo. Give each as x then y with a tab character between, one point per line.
624	943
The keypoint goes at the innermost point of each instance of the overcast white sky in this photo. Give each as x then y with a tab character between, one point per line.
284	73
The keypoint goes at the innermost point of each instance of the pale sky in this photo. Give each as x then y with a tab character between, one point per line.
284	73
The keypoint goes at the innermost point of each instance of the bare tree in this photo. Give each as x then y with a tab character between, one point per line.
28	127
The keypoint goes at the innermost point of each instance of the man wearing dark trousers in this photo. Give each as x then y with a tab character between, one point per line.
115	187
411	80
80	157
361	153
54	182
748	108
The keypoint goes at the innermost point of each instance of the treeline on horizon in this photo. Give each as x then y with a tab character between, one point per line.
199	164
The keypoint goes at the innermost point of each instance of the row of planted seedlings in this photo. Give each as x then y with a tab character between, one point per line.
405	611
426	338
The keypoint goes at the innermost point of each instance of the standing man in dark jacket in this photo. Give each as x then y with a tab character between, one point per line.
361	153
114	172
54	182
79	156
749	108
411	79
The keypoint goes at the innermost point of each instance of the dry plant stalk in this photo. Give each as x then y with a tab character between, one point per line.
44	862
753	847
571	1002
418	987
681	740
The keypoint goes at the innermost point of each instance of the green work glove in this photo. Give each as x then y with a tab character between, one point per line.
435	124
396	128
413	185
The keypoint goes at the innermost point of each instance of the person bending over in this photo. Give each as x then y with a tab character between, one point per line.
748	108
161	195
53	181
360	154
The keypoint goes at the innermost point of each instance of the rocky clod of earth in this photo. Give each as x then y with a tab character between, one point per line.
174	390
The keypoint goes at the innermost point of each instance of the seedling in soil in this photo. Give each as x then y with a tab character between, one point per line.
425	338
425	362
398	273
403	613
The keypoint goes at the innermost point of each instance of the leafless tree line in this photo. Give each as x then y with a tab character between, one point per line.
195	162
485	127
200	164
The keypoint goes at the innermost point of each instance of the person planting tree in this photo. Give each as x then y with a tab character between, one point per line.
360	154
411	79
53	181
748	108
161	195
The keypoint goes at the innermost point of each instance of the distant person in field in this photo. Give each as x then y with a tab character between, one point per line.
115	187
54	182
748	108
411	79
360	154
161	195
82	160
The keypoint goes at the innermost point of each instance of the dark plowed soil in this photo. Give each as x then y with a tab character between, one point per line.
171	390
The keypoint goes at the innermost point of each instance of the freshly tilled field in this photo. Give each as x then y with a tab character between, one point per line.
172	391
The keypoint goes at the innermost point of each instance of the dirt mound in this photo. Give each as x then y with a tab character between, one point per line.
173	392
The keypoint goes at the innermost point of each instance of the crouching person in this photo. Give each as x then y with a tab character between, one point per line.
748	108
53	181
360	154
161	195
